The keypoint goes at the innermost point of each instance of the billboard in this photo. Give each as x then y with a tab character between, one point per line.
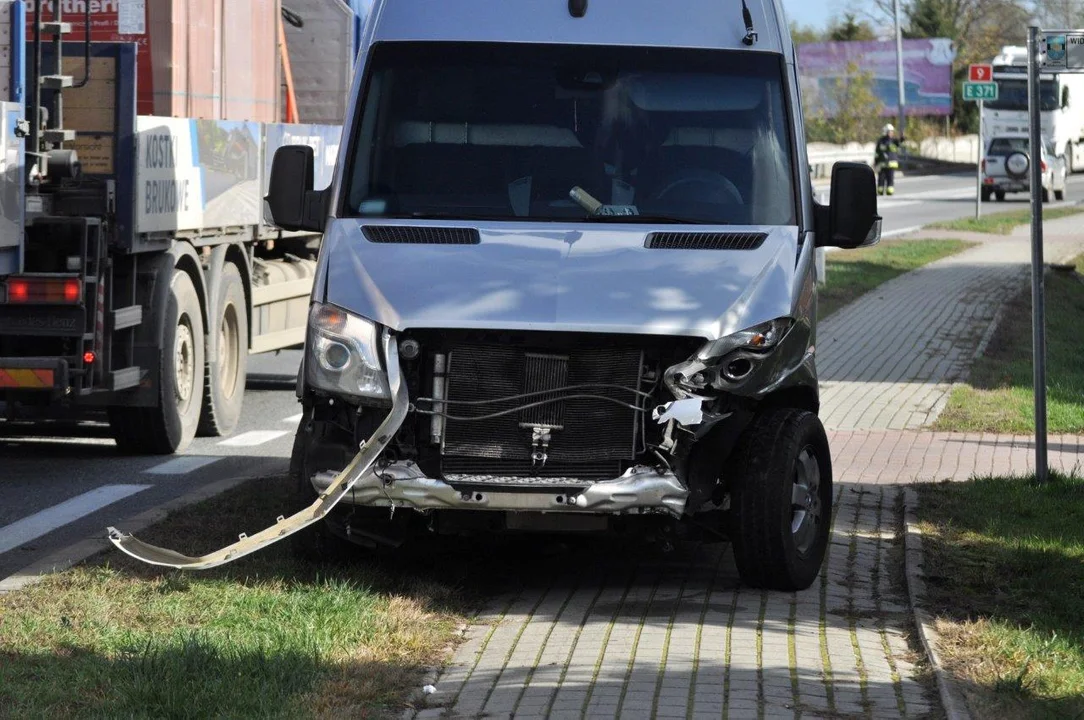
927	74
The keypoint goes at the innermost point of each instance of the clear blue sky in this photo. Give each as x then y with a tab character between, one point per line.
812	12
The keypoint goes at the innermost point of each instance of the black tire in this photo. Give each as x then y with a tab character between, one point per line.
225	373
1059	195
171	425
986	193
780	450
1000	195
1045	195
317	447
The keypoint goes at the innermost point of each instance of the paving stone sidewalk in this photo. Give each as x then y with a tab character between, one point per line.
651	634
888	361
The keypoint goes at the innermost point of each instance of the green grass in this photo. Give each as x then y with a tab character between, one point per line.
998	396
265	637
852	273
1005	560
1003	223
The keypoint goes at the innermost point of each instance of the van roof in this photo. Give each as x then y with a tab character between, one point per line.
714	24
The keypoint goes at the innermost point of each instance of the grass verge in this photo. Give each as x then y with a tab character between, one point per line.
852	273
265	637
1003	223
998	396
1003	558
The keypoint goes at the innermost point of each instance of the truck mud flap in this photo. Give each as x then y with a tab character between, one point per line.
370	450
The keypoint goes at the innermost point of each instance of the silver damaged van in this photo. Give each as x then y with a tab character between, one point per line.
566	284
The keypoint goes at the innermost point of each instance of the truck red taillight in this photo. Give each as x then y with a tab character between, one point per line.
1043	165
44	290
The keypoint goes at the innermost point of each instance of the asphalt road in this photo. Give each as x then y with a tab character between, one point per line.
59	490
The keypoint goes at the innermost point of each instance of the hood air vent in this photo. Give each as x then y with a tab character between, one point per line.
405	235
704	241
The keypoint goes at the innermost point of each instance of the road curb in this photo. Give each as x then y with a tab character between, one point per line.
952	699
86	548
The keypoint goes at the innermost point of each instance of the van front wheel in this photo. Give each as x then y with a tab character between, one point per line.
781	500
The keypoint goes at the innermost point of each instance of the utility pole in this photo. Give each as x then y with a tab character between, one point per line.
899	66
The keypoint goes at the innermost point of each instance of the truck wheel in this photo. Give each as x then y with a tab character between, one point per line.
170	426
315	449
1000	195
1045	195
225	382
986	192
781	500
1059	195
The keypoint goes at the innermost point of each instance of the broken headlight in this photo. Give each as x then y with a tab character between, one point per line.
727	362
341	356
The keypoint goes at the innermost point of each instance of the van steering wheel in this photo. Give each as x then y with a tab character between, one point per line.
719	188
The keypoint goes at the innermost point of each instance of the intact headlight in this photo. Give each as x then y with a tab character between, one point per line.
728	361
341	355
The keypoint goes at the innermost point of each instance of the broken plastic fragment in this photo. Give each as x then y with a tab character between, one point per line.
687	412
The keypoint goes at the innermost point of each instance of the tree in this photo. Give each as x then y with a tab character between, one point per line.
850	29
804	34
848	109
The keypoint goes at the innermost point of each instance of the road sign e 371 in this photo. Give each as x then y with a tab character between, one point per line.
980	91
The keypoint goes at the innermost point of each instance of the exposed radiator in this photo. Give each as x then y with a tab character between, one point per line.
585	438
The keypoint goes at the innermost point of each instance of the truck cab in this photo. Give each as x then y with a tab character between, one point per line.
1060	99
566	284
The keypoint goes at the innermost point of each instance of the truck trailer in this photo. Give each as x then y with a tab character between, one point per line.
138	270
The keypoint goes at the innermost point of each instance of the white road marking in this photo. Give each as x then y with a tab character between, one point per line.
254	437
293	419
34	526
181	465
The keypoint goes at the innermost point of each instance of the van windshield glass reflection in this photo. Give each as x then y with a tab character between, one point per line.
508	132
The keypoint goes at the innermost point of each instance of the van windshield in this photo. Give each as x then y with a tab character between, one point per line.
507	132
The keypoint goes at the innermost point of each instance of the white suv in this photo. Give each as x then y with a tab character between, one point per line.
1007	168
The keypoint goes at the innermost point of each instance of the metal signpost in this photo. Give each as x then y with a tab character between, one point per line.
980	87
1054	51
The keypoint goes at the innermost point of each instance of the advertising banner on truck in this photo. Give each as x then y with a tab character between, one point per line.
927	74
197	174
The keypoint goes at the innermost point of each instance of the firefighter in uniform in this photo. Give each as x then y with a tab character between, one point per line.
887	160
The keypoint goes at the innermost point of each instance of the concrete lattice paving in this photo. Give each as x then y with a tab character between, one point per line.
675	635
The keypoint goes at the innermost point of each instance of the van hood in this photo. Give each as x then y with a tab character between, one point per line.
540	277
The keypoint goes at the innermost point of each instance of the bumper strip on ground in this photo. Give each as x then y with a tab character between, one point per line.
340	486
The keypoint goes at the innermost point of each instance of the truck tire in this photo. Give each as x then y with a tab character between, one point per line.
781	500
986	193
315	450
170	426
225	374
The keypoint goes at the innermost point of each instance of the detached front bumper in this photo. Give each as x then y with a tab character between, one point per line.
641	490
341	484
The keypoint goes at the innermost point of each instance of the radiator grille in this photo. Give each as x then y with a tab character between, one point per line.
704	241
402	234
595	437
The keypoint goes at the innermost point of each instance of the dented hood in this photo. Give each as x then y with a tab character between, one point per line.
590	279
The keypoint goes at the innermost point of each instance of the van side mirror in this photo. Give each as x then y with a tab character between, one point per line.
850	220
294	204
